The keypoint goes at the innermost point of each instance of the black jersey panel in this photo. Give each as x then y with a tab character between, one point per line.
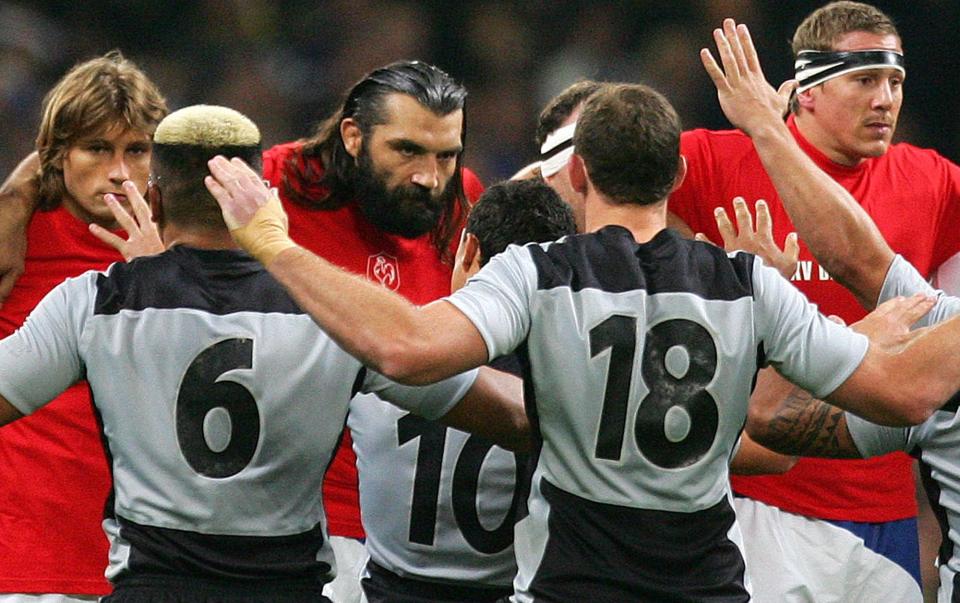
610	260
215	281
606	553
157	550
384	586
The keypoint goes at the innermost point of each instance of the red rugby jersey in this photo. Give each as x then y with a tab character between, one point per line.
411	267
914	197
54	478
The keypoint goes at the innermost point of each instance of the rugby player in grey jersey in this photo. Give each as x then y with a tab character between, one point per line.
221	402
642	348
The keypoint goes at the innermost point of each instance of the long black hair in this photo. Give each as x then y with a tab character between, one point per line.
433	88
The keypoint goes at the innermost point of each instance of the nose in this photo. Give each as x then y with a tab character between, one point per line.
885	96
119	170
427	174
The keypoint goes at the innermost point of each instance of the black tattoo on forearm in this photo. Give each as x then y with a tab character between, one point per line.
806	426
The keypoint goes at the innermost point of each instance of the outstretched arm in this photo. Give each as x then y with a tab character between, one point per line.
753	459
839	233
790	420
407	343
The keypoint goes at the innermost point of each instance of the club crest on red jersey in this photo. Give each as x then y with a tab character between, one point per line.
383	268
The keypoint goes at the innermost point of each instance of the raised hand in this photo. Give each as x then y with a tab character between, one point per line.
743	236
251	210
746	98
143	238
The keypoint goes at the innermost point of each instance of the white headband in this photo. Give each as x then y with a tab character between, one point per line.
815	67
557	150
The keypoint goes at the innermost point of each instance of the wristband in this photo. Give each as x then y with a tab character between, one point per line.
265	235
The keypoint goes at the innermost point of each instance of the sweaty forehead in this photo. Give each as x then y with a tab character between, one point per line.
407	118
863	40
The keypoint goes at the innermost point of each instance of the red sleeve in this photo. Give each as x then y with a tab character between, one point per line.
947	242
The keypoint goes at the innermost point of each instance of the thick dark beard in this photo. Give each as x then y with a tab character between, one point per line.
409	211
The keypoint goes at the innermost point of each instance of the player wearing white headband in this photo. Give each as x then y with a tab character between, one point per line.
799	526
555	128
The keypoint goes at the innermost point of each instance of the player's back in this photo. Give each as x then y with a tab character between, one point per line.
641	404
639	363
257	396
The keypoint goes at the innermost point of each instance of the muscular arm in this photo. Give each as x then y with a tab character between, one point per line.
407	343
836	229
789	420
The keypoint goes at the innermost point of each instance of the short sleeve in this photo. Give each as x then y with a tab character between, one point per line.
497	300
874	440
429	401
42	358
805	346
904	280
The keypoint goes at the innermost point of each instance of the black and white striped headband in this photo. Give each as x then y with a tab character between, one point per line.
814	67
557	150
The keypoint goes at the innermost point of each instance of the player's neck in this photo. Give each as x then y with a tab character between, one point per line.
201	238
643	221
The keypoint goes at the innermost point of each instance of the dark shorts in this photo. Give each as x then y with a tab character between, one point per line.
199	590
384	586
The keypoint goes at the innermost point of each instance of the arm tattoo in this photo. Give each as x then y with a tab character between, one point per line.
806	426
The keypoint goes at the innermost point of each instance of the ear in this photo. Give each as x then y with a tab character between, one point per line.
578	174
351	135
681	174
470	260
806	99
155	199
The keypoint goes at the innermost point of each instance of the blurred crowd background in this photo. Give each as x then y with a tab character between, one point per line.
285	63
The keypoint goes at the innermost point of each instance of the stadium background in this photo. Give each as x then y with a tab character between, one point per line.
286	62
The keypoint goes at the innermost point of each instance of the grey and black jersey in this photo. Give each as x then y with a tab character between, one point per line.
935	442
438	504
221	405
639	360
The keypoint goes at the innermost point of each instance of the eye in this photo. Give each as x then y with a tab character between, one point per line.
138	149
98	147
447	156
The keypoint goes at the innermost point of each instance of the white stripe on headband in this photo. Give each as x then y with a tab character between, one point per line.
557	150
558	137
814	67
555	163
